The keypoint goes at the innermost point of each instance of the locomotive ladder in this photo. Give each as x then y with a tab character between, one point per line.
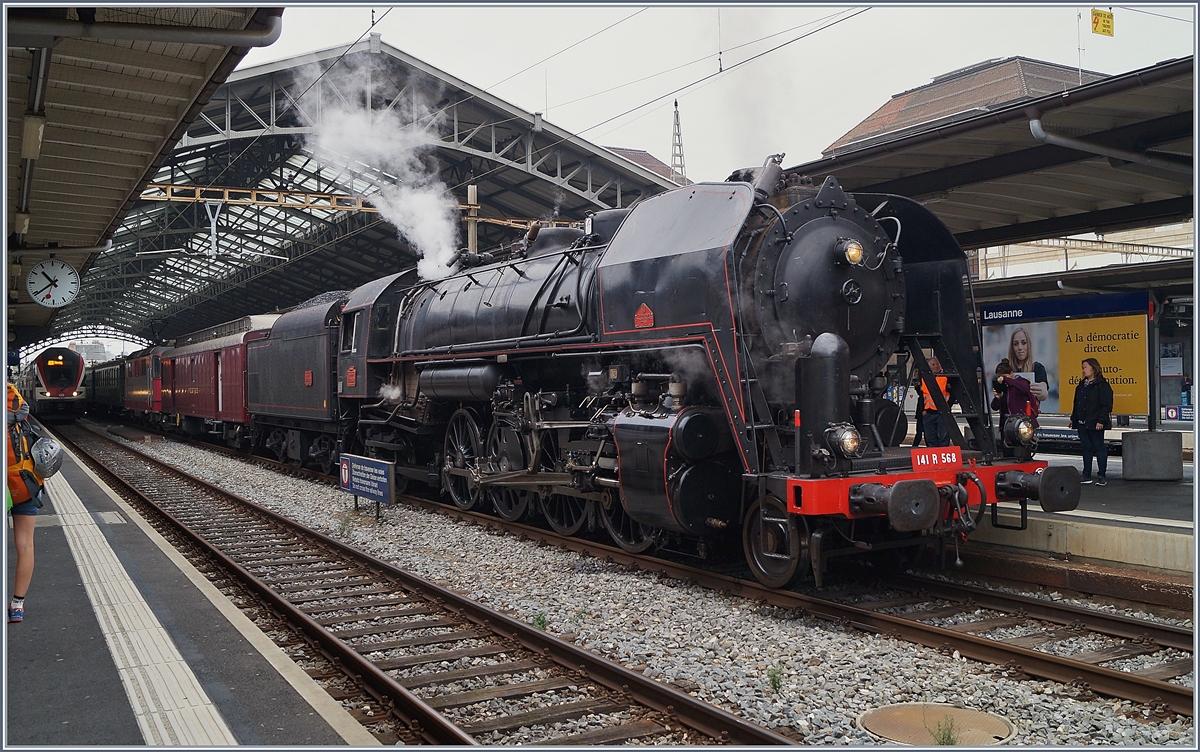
758	412
974	412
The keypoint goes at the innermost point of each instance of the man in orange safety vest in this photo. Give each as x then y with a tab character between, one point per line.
935	428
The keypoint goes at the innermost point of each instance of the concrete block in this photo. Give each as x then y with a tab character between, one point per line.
1152	455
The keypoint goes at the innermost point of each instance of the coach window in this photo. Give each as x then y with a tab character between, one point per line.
349	332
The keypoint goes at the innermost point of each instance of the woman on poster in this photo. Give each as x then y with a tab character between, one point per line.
1020	355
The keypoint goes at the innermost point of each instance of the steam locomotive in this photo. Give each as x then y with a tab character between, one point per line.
708	365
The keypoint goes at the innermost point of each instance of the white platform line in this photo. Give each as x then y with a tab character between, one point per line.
1082	516
1182	524
171	707
351	731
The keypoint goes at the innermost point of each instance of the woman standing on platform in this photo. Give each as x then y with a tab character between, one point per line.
1090	417
25	493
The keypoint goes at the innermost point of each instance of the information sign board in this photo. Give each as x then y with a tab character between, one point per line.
366	477
1102	22
1179	412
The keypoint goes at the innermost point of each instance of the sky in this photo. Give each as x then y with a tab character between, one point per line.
607	60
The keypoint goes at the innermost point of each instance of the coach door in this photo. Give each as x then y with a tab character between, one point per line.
220	383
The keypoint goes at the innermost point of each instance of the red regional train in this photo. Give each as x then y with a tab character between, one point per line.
53	386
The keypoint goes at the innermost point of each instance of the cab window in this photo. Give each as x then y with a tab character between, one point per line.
349	332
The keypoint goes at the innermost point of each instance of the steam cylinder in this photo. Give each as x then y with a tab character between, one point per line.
822	385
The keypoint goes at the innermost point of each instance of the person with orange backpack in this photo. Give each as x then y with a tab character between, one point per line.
25	492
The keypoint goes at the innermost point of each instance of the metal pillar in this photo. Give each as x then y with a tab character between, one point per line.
472	222
1155	367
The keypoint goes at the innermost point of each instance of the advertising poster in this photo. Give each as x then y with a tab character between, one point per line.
1032	350
1119	343
1050	354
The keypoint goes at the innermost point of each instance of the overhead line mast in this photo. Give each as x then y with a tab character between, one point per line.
678	172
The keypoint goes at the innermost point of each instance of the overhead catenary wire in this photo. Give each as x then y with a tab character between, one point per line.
699	60
698	82
1151	13
731	68
565	49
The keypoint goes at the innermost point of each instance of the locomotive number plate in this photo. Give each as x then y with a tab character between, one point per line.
932	458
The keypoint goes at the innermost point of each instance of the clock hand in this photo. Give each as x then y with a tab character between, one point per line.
39	292
51	280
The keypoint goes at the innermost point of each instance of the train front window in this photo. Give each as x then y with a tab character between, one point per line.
63	375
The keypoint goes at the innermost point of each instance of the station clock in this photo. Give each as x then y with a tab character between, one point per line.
52	283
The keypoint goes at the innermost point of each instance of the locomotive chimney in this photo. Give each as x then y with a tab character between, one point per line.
822	392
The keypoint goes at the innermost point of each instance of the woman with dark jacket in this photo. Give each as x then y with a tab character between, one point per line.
1090	416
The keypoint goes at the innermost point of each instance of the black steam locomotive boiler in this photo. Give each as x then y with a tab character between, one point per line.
709	364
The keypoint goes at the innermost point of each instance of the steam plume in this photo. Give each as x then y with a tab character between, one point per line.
394	142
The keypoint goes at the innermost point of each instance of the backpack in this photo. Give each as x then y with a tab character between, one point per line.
23	481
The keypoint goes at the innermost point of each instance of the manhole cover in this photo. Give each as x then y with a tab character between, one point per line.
927	723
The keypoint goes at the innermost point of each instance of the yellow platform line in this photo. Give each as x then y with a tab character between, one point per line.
171	707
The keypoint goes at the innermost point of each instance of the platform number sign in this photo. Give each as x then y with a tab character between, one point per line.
1102	22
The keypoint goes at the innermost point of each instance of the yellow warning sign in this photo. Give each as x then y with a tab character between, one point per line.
1102	22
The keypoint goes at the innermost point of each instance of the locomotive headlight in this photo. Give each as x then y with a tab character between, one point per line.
851	249
1018	431
845	439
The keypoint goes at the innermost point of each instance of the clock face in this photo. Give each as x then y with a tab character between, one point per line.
52	283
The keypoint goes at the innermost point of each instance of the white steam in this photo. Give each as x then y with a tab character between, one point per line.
390	392
393	141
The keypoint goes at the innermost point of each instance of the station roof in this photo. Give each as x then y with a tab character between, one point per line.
110	90
1166	279
258	132
986	175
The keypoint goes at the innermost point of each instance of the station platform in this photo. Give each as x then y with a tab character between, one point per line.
1145	524
124	643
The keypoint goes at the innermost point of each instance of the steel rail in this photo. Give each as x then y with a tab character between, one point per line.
1117	625
678	705
1032	662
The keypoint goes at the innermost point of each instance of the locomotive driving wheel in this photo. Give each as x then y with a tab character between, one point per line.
776	546
565	514
461	456
505	454
629	534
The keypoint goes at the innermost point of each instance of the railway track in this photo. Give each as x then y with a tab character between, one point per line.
441	668
1011	632
1044	622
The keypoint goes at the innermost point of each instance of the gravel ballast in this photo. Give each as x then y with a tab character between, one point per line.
760	662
